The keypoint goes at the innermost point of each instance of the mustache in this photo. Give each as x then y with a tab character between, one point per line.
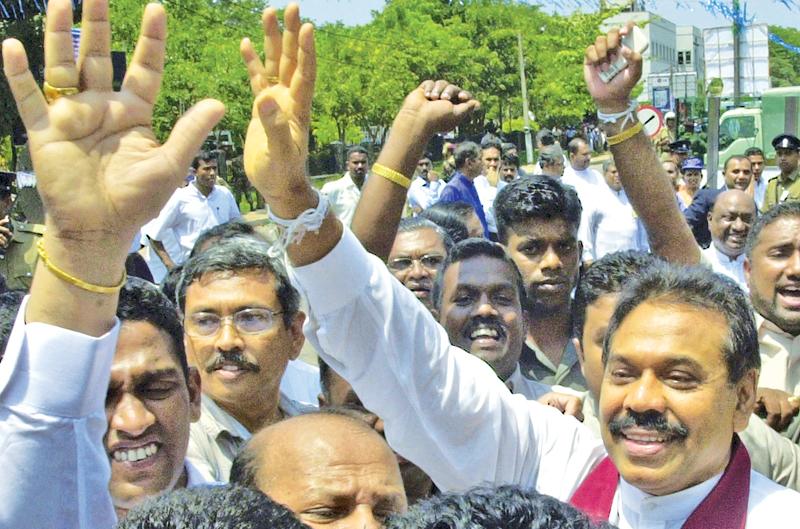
485	321
649	420
238	359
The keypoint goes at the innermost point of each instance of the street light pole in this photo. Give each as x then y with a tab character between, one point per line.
525	112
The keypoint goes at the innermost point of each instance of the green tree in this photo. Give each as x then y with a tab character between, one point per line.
784	65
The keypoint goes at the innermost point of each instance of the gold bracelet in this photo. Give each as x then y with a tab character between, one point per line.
625	134
61	274
391	175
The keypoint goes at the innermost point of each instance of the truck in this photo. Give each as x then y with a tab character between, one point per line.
742	128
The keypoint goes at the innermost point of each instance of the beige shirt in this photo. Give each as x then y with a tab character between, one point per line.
216	439
780	357
540	368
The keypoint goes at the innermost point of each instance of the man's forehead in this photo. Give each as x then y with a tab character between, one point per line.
416	242
480	272
783	231
357	157
143	350
541	229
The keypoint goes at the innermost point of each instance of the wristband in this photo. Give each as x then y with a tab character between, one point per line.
625	134
391	175
295	229
64	276
629	114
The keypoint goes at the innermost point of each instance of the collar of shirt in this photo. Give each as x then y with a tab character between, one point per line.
531	389
725	259
791	177
194	478
635	508
196	192
215	421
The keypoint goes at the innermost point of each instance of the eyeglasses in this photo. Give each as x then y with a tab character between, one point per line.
246	321
429	261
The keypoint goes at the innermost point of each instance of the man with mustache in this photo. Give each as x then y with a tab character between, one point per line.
729	221
243	325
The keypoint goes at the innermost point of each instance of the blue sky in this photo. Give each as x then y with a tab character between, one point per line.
353	12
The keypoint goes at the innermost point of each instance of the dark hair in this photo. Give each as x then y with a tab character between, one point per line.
485	507
575	144
754	151
535	197
236	254
477	247
10	301
222	232
324	378
218	507
607	275
466	151
451	217
421	223
697	287
510	159
545	137
169	285
356	149
779	211
491	141
140	300
738	157
204	156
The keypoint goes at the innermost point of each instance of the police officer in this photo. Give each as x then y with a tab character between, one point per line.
679	151
786	186
18	255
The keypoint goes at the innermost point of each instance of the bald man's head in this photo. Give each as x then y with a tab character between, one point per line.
729	221
331	470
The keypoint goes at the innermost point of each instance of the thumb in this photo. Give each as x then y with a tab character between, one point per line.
634	63
189	133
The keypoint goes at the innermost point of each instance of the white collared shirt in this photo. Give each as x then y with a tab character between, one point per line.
520	385
423	194
780	357
188	213
724	265
343	195
445	409
609	224
486	194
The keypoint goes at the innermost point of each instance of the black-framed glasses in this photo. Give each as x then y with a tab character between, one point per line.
430	261
246	321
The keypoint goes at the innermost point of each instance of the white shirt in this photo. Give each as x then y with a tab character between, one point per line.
780	357
761	191
188	213
423	194
609	224
520	385
724	265
343	195
584	181
486	194
443	408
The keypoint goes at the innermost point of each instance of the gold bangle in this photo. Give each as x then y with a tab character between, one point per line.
59	273
391	175
625	134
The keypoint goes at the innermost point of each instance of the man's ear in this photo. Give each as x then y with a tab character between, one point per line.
747	271
323	402
581	357
296	333
195	393
745	399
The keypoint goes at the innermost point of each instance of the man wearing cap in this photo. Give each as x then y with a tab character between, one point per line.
692	175
786	186
738	175
666	135
679	151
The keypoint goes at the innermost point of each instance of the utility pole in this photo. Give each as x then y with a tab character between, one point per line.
737	40
525	117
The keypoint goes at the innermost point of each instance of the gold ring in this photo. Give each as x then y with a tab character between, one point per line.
273	79
51	93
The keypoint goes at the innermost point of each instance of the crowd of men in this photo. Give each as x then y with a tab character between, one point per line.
563	349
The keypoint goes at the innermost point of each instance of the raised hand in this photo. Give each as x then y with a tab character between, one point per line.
438	106
615	95
99	168
283	85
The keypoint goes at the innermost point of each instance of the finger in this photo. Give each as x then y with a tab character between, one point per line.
94	58
291	28
612	40
634	62
464	95
272	42
144	75
574	408
465	109
31	104
427	87
600	48
275	123
591	55
451	92
302	86
188	135
59	63
438	88
255	70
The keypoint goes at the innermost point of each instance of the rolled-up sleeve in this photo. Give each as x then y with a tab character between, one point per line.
53	384
443	408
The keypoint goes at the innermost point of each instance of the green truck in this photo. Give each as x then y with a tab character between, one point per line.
742	128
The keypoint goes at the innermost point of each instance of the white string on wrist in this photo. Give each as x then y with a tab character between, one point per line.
293	230
629	114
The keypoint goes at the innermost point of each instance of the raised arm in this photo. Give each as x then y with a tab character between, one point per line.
643	178
101	174
432	107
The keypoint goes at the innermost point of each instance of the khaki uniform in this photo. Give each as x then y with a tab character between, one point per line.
19	261
780	189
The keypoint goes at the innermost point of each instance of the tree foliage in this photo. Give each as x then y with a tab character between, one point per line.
784	65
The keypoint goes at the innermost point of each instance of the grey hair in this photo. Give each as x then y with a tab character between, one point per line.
420	223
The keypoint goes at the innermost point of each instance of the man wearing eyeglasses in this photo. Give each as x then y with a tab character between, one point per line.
243	325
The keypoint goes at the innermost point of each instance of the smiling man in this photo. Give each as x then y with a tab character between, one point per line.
153	397
729	222
242	326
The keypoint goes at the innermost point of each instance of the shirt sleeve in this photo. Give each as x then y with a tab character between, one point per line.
443	408
772	454
449	194
165	221
233	207
53	384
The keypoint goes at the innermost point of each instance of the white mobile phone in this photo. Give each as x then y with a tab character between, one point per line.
635	40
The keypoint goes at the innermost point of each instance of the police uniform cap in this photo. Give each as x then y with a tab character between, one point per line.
786	141
680	146
693	163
